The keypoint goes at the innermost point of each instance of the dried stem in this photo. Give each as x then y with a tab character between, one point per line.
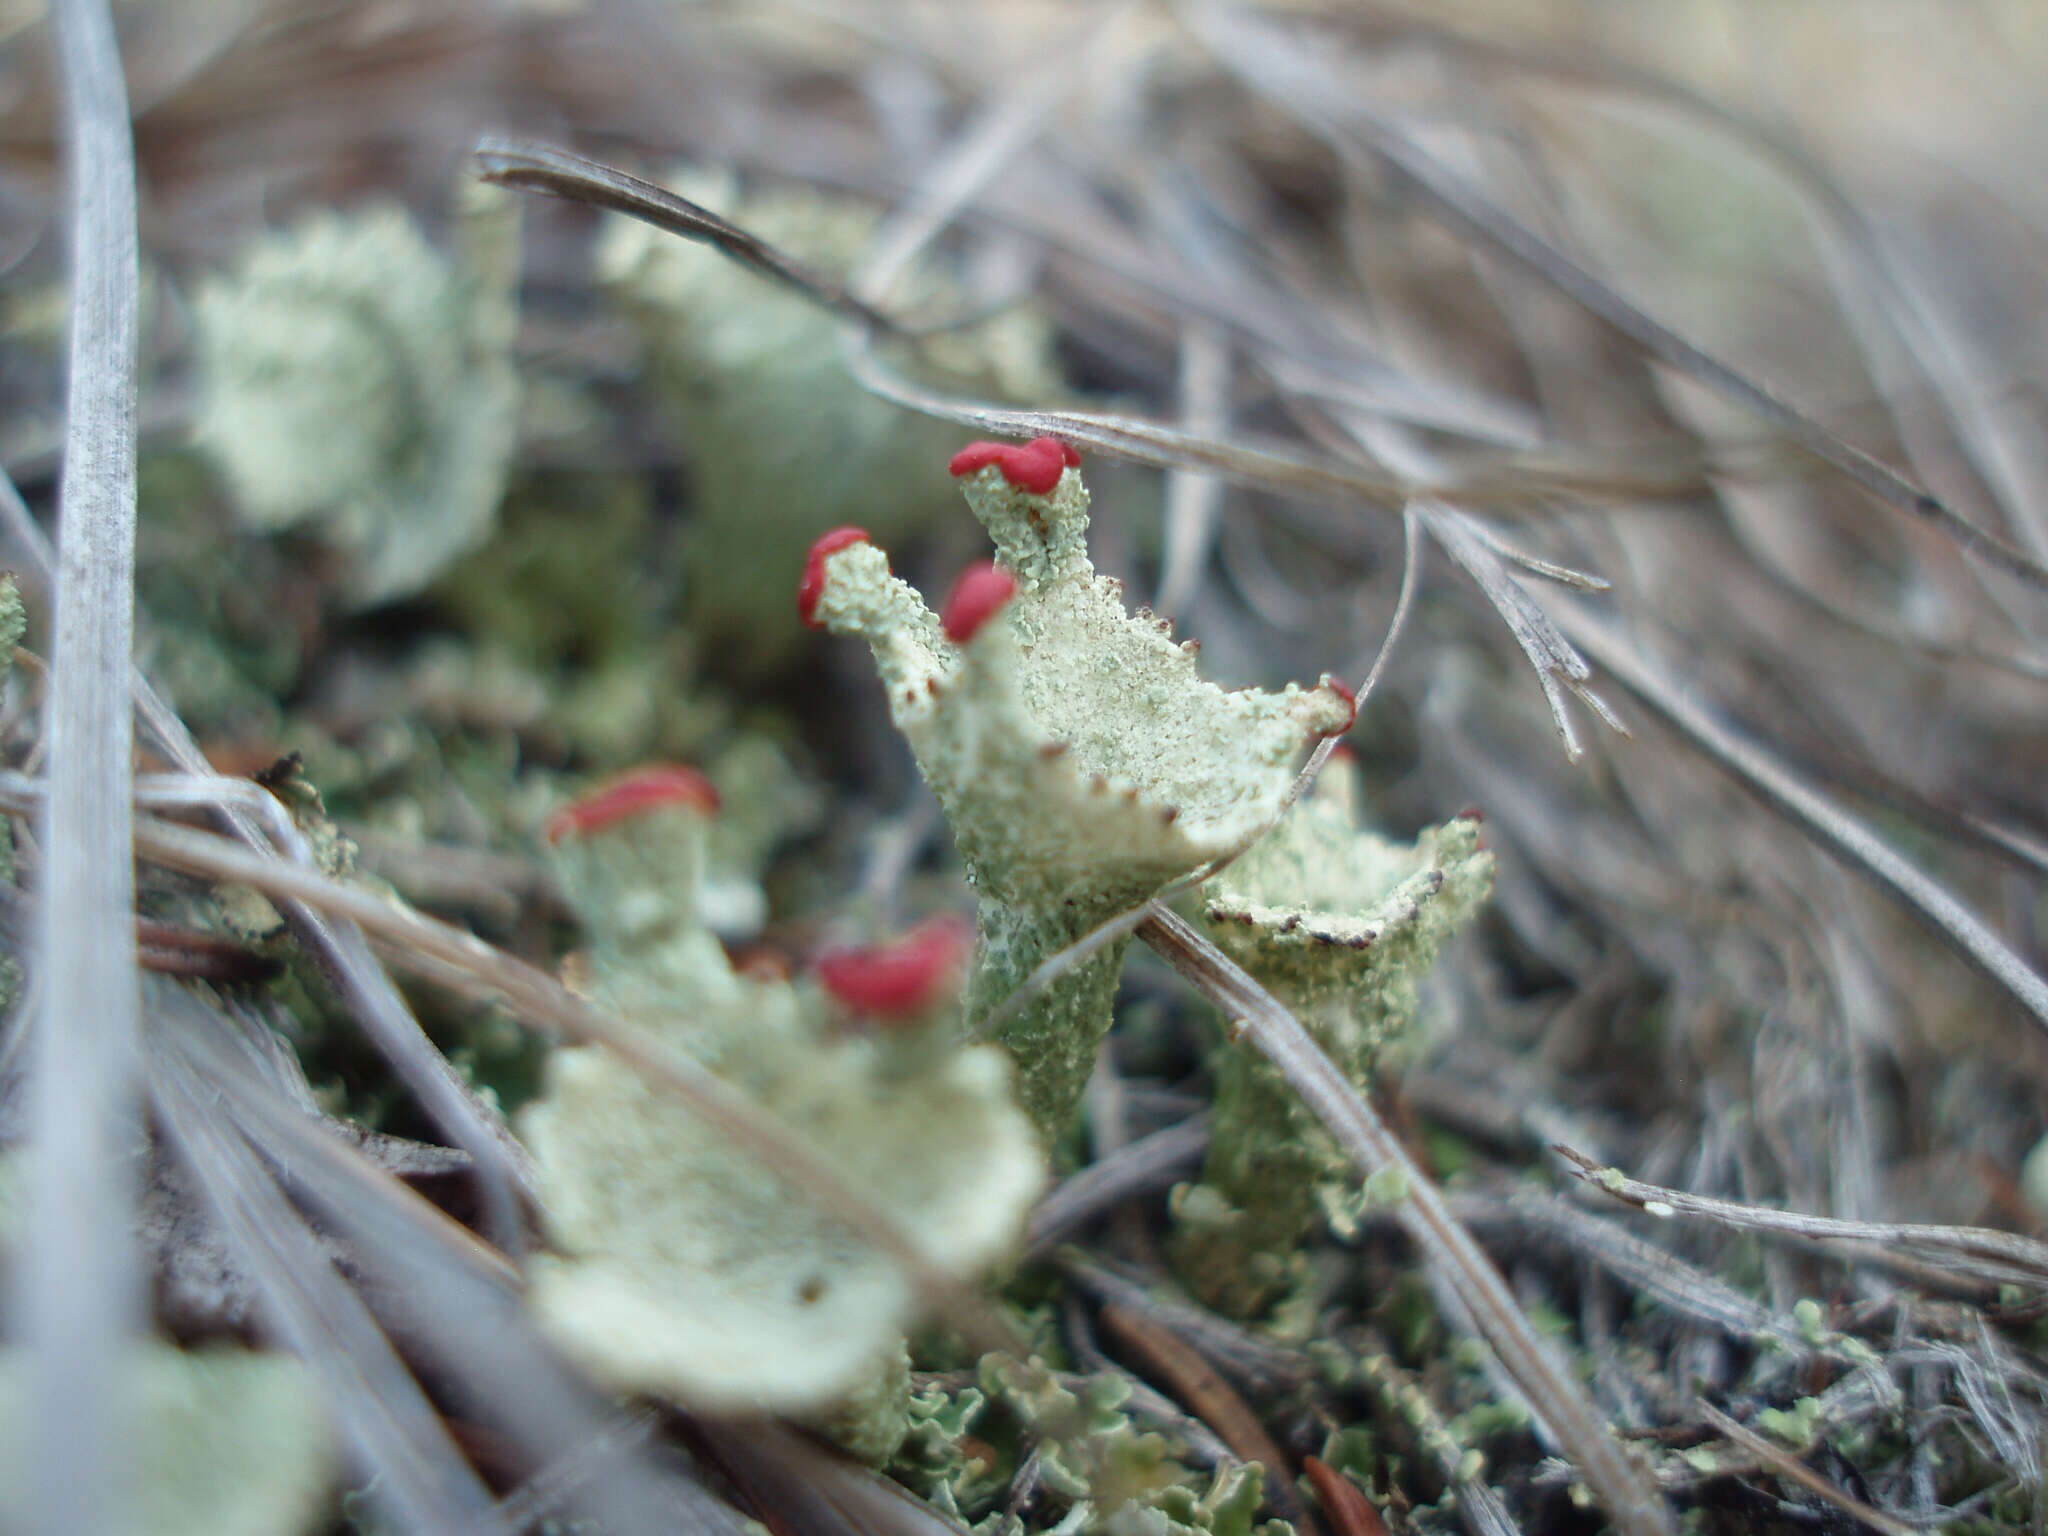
80	1297
1631	1498
1982	1251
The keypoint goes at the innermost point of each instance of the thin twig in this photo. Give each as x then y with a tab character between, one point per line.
534	167
504	1170
1985	1251
1789	1467
1299	76
1215	1402
1141	1167
422	1479
990	140
1630	1496
1194	502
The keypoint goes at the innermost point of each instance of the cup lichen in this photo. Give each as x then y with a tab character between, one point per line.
682	1269
1080	759
232	1442
1340	925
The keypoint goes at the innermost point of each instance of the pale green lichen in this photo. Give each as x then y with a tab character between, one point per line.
1799	1426
782	441
1096	1470
942	1456
680	1267
1229	1506
1081	760
1340	925
355	379
232	1443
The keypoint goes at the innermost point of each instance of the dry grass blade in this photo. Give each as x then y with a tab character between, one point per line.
1558	667
533	167
1297	76
1478	1505
422	1478
1343	1501
1656	1275
1250	1357
1792	1470
988	142
1982	1251
457	1303
1827	823
467	1119
1210	1398
79	1298
1257	463
805	1490
1630	1497
458	959
1195	502
1137	1168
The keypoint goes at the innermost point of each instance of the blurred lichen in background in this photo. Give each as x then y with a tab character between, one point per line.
354	377
736	361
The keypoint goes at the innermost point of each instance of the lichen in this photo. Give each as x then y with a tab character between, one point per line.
777	430
1081	761
1096	1471
354	379
232	1443
1340	925
681	1268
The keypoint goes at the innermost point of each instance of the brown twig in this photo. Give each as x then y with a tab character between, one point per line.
1212	1400
1789	1467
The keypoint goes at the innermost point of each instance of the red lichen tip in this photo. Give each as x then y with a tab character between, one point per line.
903	979
1035	467
981	591
632	793
812	587
1343	691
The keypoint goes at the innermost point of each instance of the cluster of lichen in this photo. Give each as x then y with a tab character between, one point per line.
1082	762
1095	1470
679	1266
1340	925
